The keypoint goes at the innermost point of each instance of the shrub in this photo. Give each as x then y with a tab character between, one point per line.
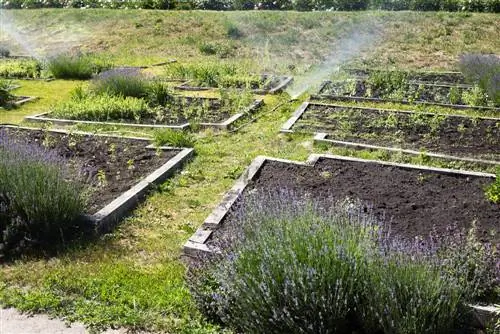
20	68
5	95
484	71
493	190
4	52
170	137
232	30
159	94
79	67
120	82
289	265
385	83
102	108
39	206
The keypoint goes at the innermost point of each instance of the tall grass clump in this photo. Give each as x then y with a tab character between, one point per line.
78	67
173	138
120	82
289	265
39	204
484	71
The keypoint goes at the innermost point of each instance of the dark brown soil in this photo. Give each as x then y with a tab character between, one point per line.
109	166
413	202
475	137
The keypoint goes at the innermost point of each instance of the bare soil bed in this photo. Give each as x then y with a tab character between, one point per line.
458	135
108	165
411	201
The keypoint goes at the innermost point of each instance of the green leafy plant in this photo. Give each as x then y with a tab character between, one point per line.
102	108
173	138
5	95
21	68
475	97
492	192
39	205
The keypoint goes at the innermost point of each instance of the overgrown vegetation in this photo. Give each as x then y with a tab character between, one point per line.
173	138
215	74
290	265
303	5
493	190
21	68
39	206
484	71
79	67
397	86
129	97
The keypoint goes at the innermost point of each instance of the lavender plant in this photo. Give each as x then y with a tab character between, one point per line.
125	81
39	205
288	264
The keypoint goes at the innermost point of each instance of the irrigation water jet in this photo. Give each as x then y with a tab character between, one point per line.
360	39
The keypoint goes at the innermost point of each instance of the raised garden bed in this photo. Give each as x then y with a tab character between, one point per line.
118	170
182	113
413	200
268	84
456	78
445	136
451	96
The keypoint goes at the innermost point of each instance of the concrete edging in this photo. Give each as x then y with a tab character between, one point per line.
197	242
322	96
42	117
320	137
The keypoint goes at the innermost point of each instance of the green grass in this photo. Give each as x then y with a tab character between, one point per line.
141	258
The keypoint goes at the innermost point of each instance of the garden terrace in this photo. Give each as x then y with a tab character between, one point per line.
180	113
263	84
451	78
455	135
452	96
413	200
116	171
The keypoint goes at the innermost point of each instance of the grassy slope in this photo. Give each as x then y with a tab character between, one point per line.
134	277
